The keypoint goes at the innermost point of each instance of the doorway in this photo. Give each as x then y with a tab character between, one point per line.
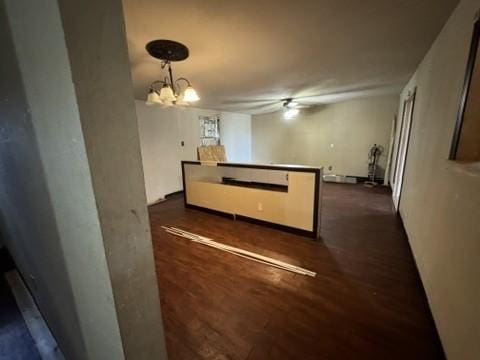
402	152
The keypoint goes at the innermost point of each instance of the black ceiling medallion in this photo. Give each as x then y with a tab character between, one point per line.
167	50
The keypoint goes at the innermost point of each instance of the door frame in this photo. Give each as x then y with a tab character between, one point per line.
391	147
403	147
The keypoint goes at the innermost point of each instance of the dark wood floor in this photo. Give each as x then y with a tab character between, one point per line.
366	302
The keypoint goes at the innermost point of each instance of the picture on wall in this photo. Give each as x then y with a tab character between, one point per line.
466	141
209	130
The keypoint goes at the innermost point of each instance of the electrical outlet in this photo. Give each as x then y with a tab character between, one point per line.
260	207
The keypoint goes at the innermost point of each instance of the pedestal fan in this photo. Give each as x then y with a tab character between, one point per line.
373	157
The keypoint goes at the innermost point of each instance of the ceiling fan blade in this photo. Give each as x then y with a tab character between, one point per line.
349	93
265	108
248	101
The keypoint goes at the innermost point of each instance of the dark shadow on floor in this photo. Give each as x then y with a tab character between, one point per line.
16	343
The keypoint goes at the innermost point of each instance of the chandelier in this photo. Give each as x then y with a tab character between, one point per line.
170	92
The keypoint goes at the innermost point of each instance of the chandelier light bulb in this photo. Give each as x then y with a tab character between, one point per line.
190	95
167	95
153	98
180	100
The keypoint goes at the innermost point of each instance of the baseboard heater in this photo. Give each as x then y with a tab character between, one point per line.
340	179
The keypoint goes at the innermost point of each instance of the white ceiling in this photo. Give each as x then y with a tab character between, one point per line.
246	53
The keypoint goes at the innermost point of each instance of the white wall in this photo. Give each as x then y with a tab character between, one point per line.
236	135
352	127
440	202
161	131
160	144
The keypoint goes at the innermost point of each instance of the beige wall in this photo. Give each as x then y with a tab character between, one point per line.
440	203
101	77
338	135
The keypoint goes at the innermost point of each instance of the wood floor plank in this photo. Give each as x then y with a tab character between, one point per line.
367	301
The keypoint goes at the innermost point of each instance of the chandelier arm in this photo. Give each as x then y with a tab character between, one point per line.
184	79
156	82
170	74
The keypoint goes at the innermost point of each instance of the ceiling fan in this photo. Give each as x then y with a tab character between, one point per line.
299	102
292	108
271	105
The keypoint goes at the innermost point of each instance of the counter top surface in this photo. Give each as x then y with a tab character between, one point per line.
255	165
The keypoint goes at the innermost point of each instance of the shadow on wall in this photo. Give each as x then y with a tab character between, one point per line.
314	109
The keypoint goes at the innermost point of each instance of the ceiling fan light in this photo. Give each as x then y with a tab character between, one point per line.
153	98
292	104
190	95
290	113
167	95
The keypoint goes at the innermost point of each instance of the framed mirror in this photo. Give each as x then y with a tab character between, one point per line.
466	139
